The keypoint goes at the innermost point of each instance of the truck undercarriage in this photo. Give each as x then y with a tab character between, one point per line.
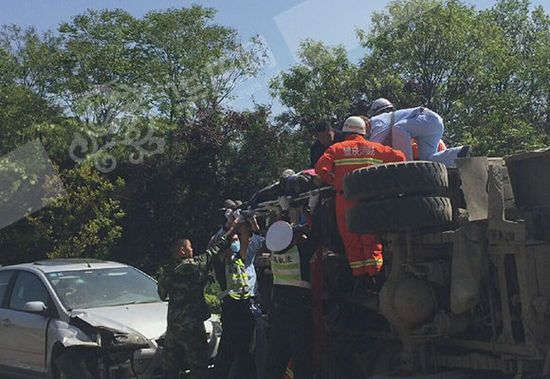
466	281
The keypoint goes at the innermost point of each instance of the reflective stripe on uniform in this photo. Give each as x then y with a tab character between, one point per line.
367	262
289	373
236	296
355	161
236	280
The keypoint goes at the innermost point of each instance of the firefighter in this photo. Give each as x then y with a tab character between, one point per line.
364	252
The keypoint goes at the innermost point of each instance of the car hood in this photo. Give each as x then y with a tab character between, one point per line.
148	319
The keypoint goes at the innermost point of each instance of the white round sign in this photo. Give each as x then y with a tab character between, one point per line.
279	236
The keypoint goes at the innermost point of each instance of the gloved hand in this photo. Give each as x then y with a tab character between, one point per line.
313	201
284	203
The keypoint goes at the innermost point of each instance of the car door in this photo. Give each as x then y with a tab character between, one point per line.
5	280
25	332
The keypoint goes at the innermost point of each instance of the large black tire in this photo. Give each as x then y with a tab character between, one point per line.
398	214
392	179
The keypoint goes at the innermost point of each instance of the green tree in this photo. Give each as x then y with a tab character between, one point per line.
97	60
425	45
190	64
322	86
28	59
20	111
85	223
262	151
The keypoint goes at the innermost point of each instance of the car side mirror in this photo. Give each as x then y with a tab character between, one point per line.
35	307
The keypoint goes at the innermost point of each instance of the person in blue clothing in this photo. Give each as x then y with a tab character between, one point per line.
253	243
396	128
236	356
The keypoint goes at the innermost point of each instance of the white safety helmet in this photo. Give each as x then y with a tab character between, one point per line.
354	124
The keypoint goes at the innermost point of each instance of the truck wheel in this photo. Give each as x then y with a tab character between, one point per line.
392	179
397	214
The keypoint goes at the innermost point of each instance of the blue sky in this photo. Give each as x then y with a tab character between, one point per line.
282	24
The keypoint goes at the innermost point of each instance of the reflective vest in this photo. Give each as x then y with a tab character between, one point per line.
353	153
236	279
286	269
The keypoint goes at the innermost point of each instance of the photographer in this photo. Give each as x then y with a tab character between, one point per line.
229	207
254	244
236	356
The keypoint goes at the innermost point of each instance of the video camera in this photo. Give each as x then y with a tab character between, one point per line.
241	215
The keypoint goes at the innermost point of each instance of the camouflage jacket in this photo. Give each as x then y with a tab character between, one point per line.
183	284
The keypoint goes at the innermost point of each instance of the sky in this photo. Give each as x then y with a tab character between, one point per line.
281	24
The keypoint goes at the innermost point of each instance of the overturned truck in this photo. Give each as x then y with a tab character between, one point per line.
466	282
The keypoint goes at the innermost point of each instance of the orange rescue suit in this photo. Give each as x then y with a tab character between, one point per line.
364	251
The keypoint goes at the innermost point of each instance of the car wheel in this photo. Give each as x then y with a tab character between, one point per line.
398	214
72	363
392	179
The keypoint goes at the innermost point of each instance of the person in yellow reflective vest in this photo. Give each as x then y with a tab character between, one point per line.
235	357
291	321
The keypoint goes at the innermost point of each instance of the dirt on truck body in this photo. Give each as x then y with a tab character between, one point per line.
466	282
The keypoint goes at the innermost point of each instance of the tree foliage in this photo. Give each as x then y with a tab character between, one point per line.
85	223
321	87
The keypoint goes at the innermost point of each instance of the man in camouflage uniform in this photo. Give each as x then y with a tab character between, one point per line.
183	282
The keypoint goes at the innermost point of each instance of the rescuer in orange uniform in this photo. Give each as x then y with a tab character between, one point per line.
364	251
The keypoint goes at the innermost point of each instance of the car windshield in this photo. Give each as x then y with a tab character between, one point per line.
95	288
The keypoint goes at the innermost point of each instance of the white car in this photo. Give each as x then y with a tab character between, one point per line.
83	318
